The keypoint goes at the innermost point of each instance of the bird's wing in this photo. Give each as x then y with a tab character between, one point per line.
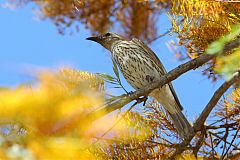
159	63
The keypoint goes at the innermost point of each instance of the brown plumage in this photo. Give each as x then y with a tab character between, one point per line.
140	66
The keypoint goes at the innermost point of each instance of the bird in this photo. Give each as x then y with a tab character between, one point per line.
140	67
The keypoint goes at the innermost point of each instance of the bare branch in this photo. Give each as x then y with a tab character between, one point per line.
221	138
161	35
231	144
217	95
228	125
200	121
225	139
213	150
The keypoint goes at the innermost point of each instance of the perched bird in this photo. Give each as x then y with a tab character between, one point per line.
140	66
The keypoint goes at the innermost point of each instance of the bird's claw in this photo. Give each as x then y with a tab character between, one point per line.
142	99
129	93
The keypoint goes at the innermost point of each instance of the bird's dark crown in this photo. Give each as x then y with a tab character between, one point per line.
107	40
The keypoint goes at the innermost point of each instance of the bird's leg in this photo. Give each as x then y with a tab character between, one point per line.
142	99
139	99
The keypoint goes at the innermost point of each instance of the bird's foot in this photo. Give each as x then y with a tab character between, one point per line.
142	99
129	93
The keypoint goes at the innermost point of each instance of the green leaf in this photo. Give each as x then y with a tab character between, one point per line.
112	82
218	45
107	77
215	47
111	98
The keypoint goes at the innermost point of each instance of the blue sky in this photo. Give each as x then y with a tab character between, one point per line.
28	43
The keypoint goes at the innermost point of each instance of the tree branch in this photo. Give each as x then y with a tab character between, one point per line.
228	125
202	118
217	95
198	144
221	138
231	144
234	44
170	76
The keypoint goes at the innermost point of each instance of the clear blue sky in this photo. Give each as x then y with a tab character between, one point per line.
27	43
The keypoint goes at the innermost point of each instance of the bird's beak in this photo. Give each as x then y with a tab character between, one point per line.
95	39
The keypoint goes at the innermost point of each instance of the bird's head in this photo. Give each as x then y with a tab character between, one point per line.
107	40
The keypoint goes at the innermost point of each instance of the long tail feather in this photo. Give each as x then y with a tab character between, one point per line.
165	97
181	124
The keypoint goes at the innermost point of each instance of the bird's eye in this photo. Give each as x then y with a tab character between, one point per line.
108	34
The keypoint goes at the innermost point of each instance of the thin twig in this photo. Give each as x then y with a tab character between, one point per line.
231	144
223	139
108	139
229	125
213	150
217	121
129	109
119	120
217	95
163	144
199	124
161	35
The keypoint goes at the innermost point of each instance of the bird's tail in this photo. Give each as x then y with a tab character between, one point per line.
180	122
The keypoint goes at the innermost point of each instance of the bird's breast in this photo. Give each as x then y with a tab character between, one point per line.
137	68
